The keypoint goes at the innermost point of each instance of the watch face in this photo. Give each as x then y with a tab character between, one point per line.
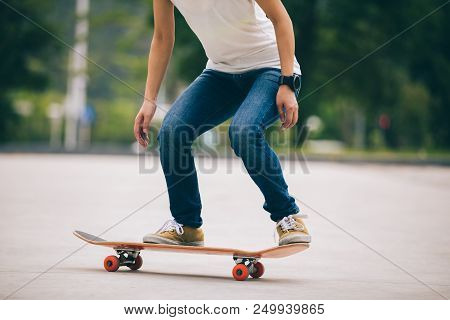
297	82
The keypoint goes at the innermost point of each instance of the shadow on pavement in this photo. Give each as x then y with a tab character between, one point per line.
184	275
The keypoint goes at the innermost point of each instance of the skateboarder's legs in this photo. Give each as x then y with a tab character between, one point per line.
257	111
211	99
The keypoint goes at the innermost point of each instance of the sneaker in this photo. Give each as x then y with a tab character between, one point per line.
292	229
175	233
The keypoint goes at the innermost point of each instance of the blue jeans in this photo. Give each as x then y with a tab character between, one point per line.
210	100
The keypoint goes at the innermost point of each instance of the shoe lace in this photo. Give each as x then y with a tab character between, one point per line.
172	225
289	223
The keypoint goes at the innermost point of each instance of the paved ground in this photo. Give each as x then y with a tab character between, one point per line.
400	212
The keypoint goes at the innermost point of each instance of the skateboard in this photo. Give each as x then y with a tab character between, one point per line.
247	262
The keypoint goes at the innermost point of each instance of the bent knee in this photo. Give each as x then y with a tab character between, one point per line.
175	132
244	136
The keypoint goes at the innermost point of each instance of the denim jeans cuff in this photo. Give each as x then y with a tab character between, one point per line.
278	216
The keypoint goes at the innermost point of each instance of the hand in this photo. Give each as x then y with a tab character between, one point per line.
287	107
142	122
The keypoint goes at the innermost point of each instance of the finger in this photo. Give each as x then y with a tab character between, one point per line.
281	111
137	130
137	127
146	123
289	117
144	130
144	137
295	118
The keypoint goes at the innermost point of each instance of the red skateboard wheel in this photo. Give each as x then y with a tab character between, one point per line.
111	263
137	263
259	270
240	272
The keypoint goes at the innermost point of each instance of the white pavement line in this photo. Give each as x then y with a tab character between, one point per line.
371	249
84	245
106	230
361	242
43	272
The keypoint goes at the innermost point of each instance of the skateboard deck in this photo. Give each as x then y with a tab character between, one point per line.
247	262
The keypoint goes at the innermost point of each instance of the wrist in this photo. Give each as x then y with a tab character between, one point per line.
149	104
284	87
150	100
292	82
150	95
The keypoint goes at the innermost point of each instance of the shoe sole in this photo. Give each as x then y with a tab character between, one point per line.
160	240
294	239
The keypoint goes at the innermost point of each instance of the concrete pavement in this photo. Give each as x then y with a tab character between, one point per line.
379	231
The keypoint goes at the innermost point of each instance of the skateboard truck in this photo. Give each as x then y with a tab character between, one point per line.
129	258
246	266
247	262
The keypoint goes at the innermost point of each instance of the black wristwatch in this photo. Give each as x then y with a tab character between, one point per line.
294	82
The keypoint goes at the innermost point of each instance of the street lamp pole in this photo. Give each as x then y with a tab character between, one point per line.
77	77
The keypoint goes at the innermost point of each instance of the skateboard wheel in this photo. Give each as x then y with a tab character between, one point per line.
259	270
111	263
137	263
240	272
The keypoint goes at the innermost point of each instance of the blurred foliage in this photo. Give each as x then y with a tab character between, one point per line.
34	122
23	50
405	80
117	117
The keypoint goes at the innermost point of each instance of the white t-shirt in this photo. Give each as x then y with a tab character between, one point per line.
236	34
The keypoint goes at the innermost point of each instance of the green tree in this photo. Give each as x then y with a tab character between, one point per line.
23	50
